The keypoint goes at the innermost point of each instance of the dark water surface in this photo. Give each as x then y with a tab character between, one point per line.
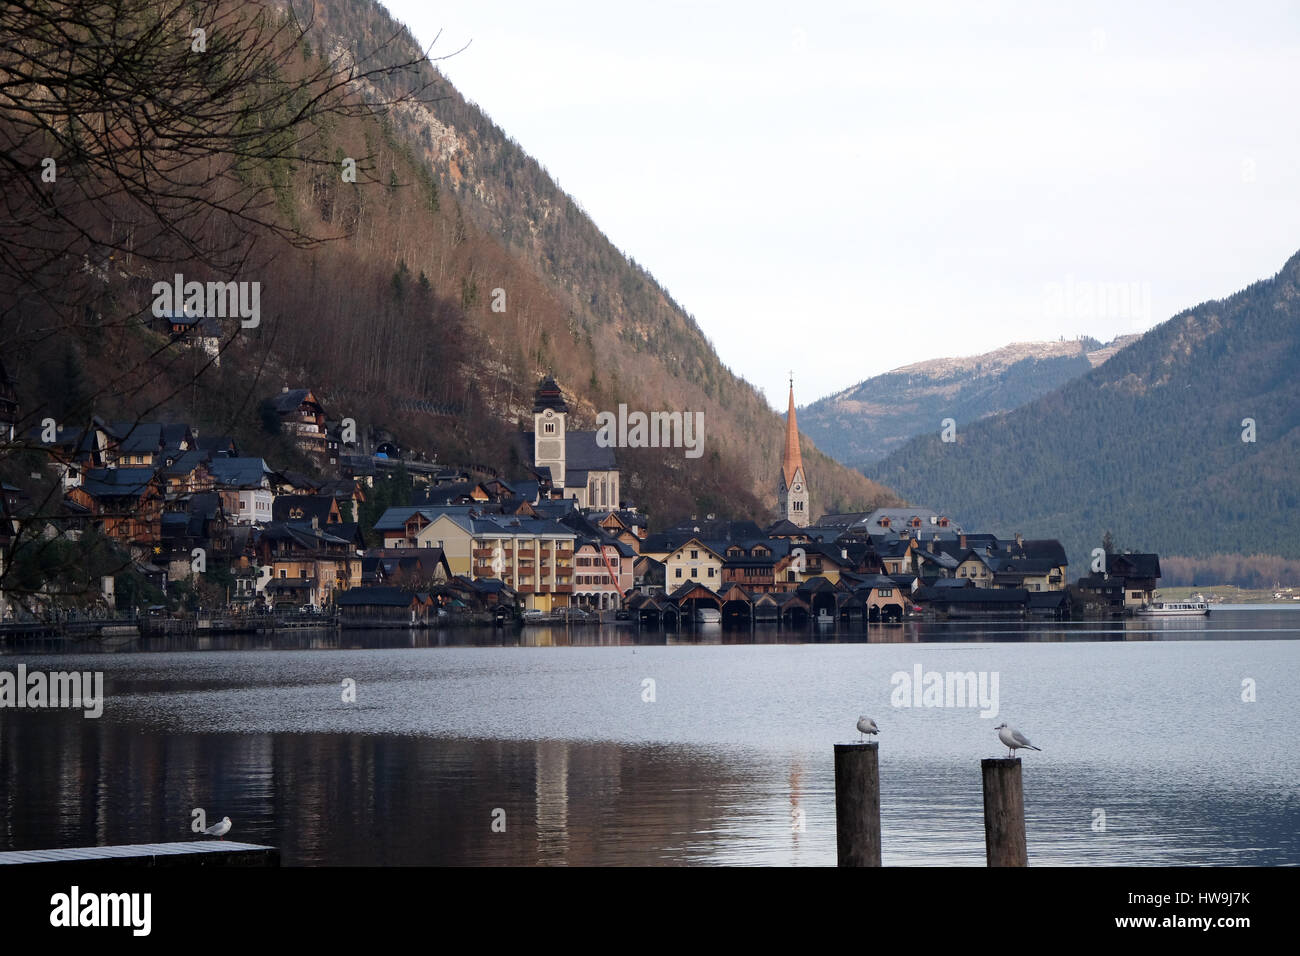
731	762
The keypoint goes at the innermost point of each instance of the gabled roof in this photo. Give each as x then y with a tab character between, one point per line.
133	438
1133	565
785	527
174	434
240	472
302	534
217	444
583	453
293	399
1099	582
394	519
700	544
117	482
303	508
185	463
718	529
1035	549
690	586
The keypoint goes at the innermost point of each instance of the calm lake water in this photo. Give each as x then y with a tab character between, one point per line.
1150	754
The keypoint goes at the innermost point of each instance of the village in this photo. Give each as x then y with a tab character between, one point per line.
238	543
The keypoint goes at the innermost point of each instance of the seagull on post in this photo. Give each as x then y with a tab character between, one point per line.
219	830
867	726
1013	739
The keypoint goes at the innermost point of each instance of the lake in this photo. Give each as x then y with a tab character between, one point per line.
1163	743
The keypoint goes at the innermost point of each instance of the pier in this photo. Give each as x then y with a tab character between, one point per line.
194	853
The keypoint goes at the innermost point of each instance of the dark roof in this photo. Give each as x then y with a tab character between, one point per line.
582	454
1099	582
239	472
217	444
841	520
690	586
205	324
117	482
1134	565
289	584
302	508
718	529
291	400
185	462
136	437
174	434
549	395
1035	549
302	534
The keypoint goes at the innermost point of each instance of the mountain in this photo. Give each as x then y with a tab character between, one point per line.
1148	445
864	423
440	285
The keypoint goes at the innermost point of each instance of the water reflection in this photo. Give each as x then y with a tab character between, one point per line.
546	731
367	800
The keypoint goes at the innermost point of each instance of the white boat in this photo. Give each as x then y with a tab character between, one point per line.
708	615
1174	609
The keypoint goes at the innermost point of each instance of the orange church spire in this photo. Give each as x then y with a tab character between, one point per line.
792	460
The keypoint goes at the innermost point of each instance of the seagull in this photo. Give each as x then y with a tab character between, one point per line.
219	830
867	726
1013	739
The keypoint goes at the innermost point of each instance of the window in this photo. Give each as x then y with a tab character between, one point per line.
679	572
695	555
549	428
712	572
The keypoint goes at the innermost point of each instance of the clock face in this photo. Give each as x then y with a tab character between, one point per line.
798	487
549	413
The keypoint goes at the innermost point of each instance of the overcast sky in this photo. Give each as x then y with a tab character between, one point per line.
844	188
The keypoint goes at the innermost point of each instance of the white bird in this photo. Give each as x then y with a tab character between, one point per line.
219	830
1013	739
867	726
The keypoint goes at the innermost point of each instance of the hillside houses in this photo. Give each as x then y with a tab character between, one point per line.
552	536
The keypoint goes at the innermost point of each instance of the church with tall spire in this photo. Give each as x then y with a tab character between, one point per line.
792	494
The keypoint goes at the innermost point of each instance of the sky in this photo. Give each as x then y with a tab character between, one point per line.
839	189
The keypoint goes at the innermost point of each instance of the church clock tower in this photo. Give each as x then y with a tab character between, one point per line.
550	414
792	493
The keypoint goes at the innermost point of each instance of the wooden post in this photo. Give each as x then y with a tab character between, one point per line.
1004	812
857	804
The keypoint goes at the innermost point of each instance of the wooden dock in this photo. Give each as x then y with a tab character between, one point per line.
196	853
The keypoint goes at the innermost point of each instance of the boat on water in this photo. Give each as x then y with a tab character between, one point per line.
1174	609
708	615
